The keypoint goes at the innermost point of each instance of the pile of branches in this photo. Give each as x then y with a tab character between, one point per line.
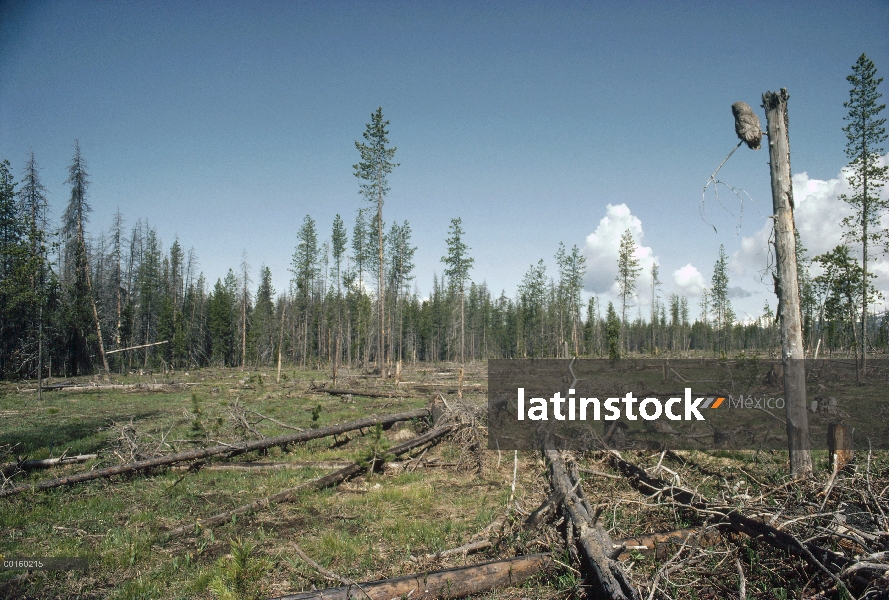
823	539
132	445
470	431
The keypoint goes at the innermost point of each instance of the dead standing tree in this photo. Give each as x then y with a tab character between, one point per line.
786	287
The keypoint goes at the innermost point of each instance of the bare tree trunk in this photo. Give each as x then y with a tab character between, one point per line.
381	300
863	264
244	328
462	326
281	338
336	358
786	283
40	349
117	332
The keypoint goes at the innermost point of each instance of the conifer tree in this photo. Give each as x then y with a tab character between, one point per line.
719	300
612	333
338	241
401	255
628	270
76	259
458	264
305	269
865	132
374	168
13	251
33	207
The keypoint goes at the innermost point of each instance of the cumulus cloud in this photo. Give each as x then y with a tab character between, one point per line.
688	280
603	246
738	292
818	213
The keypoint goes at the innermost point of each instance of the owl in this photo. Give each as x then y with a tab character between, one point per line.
747	125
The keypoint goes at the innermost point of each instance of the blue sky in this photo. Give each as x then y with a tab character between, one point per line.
224	124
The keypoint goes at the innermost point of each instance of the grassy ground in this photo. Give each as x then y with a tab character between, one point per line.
366	529
376	526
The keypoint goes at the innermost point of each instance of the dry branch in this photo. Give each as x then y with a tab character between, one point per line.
458	582
657	543
27	465
821	558
316	484
229	449
365	394
463	550
137	347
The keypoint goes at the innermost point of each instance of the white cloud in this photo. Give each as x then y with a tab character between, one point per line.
818	213
602	248
689	280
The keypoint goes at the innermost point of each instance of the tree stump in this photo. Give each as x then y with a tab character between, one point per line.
839	445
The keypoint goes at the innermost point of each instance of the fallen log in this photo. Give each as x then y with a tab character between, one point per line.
151	387
595	541
365	394
263	466
316	484
458	582
229	449
27	465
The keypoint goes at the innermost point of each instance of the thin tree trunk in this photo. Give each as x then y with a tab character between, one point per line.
89	287
281	338
788	289
243	327
864	254
462	327
40	348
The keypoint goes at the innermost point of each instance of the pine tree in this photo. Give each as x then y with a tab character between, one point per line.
459	262
720	304
13	251
262	331
571	270
32	208
244	305
865	132
76	259
305	269
374	168
840	288
151	291
655	282
222	320
532	306
628	270
338	241
401	256
612	333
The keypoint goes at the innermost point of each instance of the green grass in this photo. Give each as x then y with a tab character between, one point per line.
365	530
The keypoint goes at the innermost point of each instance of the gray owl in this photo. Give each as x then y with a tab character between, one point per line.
747	125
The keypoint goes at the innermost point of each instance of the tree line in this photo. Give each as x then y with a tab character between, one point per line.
71	304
